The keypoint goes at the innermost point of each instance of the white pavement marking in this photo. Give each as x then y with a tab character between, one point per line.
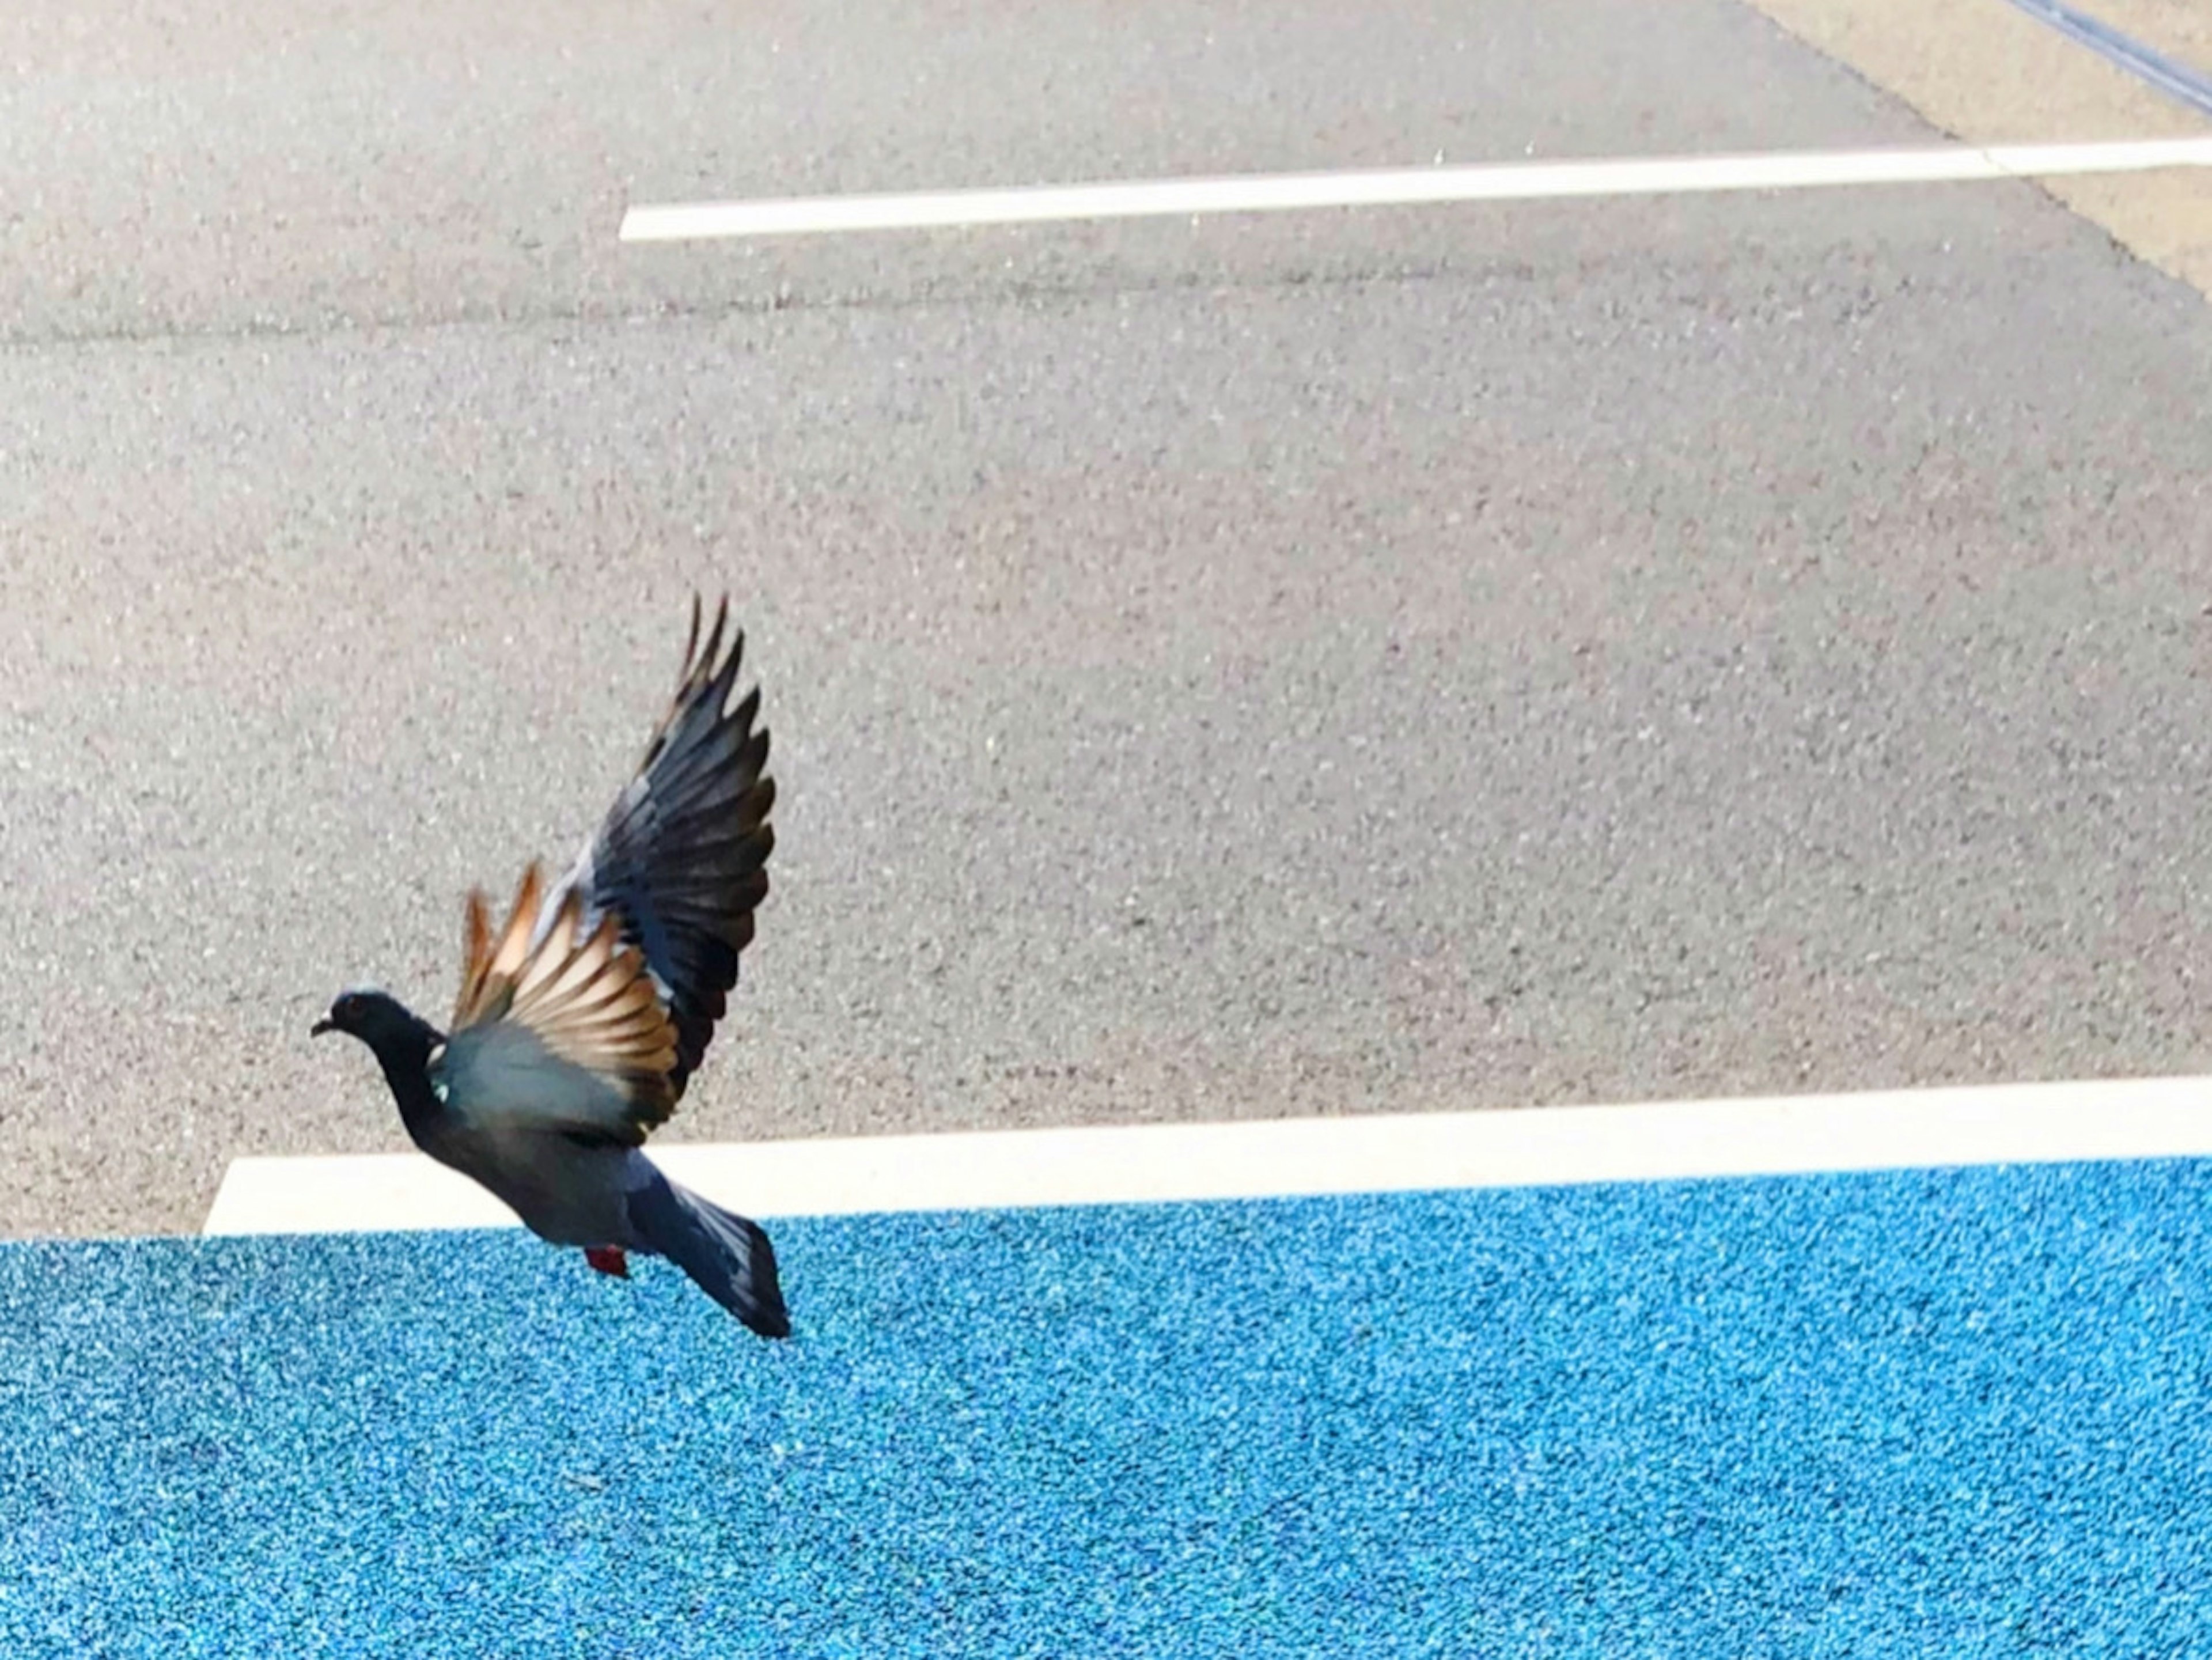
2018	1123
1403	186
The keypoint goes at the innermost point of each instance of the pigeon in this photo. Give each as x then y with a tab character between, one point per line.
581	1020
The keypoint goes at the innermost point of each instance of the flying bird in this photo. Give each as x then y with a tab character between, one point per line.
582	1019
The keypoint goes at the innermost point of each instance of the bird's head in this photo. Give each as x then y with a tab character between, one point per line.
403	1043
374	1017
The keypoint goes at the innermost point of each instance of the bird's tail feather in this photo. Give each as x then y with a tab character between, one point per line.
727	1255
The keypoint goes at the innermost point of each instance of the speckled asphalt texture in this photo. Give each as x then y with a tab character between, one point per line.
1318	663
1932	1412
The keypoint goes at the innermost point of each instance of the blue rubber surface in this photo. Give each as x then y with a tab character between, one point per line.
1963	1413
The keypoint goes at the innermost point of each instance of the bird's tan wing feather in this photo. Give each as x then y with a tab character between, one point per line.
587	997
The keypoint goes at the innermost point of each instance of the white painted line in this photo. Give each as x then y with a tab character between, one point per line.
2022	1123
1402	187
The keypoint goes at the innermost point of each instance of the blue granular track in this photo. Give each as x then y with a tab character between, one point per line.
1958	1413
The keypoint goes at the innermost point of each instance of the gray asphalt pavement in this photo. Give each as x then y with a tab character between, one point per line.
1421	658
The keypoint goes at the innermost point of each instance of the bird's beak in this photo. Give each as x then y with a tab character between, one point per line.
320	1027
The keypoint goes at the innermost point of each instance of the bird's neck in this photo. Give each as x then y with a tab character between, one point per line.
404	1055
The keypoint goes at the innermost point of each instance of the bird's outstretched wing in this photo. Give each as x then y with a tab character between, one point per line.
557	1028
680	862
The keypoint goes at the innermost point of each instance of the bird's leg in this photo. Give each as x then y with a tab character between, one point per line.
608	1259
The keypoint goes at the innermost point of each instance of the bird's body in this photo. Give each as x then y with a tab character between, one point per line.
578	1025
567	1194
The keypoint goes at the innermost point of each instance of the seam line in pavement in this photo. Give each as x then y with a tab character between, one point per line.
2173	78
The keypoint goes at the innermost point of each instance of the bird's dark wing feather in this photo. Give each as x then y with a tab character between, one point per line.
680	861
